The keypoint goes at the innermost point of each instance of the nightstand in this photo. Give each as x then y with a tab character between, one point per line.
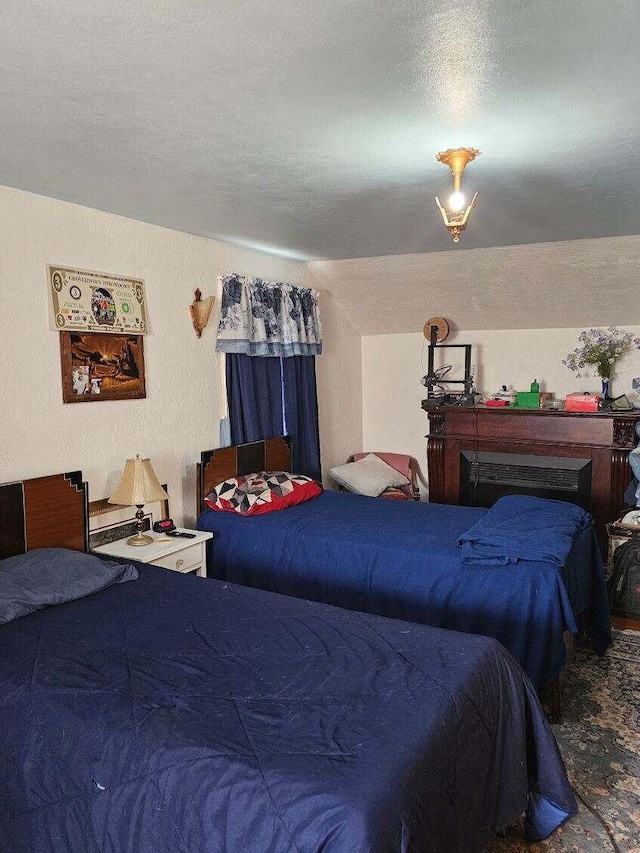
188	556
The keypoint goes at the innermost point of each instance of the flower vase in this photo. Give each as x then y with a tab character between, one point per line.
606	399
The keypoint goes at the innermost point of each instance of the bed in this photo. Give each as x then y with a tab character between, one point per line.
175	714
402	560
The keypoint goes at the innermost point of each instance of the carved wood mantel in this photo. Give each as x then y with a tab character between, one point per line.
602	437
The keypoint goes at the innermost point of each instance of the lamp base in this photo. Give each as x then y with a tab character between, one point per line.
140	539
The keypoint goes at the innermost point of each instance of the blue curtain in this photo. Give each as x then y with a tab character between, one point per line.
254	393
272	396
301	413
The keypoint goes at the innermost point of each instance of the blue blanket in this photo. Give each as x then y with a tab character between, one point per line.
520	527
401	559
183	715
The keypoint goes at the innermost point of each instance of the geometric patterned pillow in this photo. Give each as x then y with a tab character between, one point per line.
266	491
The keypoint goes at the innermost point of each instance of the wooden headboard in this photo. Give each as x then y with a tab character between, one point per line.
271	454
45	512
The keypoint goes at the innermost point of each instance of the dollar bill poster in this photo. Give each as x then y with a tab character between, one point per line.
96	302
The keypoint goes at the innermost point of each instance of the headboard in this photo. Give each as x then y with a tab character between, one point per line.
45	512
270	454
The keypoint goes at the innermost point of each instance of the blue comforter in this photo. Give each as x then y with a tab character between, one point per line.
175	714
402	560
520	527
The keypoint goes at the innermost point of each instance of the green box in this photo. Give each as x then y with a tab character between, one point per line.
528	399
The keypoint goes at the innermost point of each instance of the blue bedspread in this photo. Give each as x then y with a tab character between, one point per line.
521	527
175	714
401	559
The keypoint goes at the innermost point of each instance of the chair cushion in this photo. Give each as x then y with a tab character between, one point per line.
395	494
368	476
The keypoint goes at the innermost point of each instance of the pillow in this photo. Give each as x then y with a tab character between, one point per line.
369	476
46	576
266	491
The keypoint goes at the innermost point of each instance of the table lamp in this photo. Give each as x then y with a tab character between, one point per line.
138	486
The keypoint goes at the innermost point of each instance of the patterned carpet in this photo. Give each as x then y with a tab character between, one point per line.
600	742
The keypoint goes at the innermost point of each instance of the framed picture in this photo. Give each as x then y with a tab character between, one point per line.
101	366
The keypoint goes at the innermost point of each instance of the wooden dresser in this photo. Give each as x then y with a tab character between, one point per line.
462	439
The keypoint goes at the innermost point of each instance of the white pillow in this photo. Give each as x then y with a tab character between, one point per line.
369	476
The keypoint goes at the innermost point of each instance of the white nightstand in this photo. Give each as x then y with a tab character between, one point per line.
178	554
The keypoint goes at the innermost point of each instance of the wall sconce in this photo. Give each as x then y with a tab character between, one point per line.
456	213
200	311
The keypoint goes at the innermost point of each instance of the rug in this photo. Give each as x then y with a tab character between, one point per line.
599	739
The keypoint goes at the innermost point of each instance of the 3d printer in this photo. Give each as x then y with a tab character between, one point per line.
436	330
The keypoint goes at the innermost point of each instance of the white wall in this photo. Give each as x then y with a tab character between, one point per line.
38	433
392	366
339	376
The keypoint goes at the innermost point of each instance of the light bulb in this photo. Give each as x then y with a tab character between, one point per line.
457	202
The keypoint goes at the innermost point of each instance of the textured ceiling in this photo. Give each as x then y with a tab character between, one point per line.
551	285
309	127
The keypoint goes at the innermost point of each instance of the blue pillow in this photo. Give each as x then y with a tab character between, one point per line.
46	576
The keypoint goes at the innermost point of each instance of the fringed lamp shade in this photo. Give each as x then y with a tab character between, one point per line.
138	486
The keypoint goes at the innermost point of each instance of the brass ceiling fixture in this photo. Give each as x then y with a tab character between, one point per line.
456	213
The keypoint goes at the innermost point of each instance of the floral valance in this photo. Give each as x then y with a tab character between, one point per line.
268	318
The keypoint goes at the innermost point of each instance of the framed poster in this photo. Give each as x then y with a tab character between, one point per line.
97	366
96	301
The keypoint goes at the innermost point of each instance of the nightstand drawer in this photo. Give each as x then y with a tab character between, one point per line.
184	560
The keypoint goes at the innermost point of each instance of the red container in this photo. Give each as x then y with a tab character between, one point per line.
581	403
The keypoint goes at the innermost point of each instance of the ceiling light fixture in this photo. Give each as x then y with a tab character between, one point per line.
456	213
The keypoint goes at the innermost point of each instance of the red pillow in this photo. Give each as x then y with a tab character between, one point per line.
266	491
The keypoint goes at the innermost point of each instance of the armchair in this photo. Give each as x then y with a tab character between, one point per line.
406	465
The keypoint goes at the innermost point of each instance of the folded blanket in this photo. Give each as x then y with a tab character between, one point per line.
519	527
